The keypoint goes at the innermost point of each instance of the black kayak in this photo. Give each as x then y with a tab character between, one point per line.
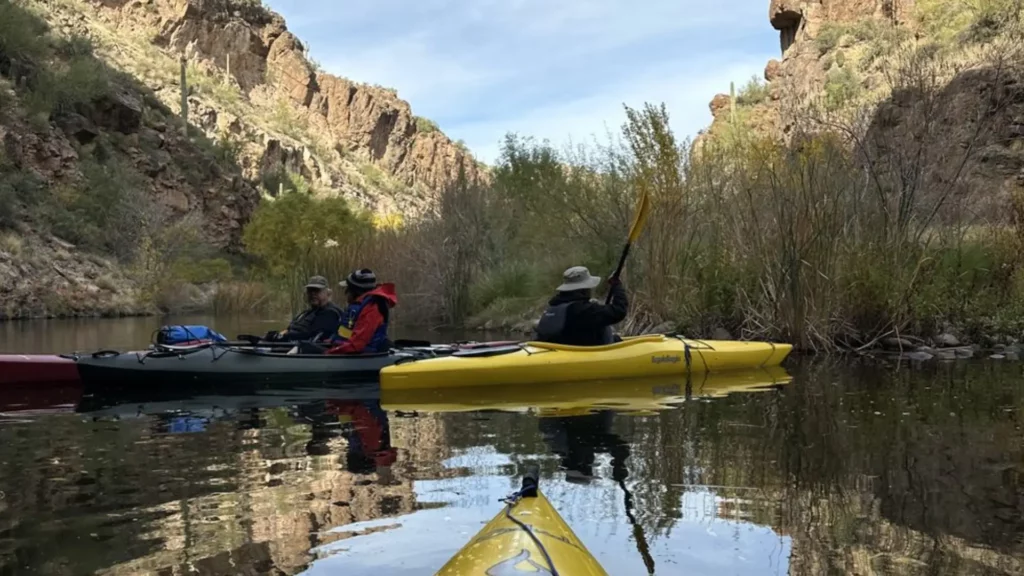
230	366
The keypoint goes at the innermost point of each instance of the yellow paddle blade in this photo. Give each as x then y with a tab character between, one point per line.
642	210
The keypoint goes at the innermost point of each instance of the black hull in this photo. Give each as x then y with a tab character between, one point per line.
230	370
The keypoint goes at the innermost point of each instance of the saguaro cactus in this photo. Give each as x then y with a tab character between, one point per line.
184	96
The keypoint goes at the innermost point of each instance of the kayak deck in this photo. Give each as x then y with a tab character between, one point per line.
36	369
220	366
539	362
540	541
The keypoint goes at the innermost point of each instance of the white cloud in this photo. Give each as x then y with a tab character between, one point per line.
481	68
686	95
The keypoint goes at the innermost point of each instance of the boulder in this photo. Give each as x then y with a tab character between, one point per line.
76	126
117	110
893	343
721	334
290	70
719	104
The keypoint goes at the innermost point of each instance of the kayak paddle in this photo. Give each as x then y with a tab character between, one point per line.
642	209
638	531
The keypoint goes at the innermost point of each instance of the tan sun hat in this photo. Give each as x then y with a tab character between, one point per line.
578	278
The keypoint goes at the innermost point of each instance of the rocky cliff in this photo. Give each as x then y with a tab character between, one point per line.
98	172
931	94
251	82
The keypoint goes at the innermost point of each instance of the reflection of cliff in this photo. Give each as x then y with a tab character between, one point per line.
850	535
293	487
253	494
422	442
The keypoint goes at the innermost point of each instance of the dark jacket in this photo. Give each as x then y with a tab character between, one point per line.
323	321
586	323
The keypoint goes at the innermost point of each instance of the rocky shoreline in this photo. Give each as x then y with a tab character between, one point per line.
945	347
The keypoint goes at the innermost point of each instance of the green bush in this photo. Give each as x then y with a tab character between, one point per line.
202	271
282	180
426	125
297	225
20	194
828	37
511	280
754	92
23	39
979	21
842	87
109	211
74	47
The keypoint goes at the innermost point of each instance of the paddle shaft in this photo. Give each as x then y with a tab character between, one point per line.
638	531
618	270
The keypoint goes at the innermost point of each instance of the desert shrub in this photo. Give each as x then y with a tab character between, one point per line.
512	280
74	46
284	118
426	125
373	175
755	91
296	226
979	21
23	40
842	87
20	194
202	271
828	37
283	180
108	211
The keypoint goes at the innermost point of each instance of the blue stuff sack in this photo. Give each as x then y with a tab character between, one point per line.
191	334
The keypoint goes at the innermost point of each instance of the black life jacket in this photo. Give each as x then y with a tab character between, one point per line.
551	327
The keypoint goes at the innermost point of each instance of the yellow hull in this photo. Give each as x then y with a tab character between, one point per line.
633	395
502	546
542	363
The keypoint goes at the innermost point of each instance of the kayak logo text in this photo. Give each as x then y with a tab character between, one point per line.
666	359
511	566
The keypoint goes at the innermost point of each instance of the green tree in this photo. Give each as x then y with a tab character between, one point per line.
297	226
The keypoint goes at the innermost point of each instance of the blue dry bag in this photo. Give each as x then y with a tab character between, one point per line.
192	334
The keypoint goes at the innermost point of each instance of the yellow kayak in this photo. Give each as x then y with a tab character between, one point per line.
528	536
631	395
543	363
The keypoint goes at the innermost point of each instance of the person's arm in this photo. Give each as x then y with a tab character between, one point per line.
601	315
324	322
367	323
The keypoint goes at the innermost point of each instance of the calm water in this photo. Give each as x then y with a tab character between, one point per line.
844	470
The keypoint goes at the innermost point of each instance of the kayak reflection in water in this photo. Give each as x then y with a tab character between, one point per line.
363	424
577	439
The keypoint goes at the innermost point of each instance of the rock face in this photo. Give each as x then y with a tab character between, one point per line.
44	276
254	47
969	129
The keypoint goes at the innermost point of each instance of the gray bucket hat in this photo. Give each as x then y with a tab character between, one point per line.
578	278
318	282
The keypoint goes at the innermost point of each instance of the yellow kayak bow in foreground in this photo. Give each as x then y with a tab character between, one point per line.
527	537
531	363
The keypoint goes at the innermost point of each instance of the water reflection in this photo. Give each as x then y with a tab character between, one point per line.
848	470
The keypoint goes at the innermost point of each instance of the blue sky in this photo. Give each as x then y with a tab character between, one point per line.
555	69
